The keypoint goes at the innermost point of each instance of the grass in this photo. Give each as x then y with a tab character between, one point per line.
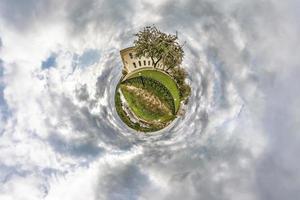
153	97
154	87
164	79
149	102
122	114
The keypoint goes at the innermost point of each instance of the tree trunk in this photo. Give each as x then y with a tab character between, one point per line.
169	68
153	62
157	61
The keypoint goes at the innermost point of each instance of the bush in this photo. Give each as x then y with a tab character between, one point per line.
185	91
179	74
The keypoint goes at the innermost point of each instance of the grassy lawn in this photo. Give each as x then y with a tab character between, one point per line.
164	79
126	119
143	109
152	96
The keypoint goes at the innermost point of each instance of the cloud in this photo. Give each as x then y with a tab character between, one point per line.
23	15
277	171
122	182
62	139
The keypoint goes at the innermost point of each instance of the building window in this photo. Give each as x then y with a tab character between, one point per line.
148	62
144	62
140	64
134	65
130	55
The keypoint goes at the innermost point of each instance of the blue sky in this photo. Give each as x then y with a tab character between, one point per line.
49	62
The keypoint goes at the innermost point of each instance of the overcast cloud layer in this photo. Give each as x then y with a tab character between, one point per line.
60	137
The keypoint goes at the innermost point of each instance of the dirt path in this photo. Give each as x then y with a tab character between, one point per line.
152	102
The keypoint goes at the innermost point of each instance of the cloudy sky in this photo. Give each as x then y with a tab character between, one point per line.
60	137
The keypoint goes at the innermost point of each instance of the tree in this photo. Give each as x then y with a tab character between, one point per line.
159	46
185	91
179	75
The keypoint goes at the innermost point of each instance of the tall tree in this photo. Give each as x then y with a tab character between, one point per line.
159	46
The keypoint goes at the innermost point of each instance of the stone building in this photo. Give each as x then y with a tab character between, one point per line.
131	62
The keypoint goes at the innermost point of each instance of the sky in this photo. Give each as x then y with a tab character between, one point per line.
60	136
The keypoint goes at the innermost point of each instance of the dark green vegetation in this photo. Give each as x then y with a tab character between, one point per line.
162	77
149	99
180	75
125	118
150	96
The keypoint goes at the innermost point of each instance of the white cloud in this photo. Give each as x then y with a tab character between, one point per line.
61	138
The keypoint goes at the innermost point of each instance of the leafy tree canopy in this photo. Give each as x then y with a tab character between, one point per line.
159	46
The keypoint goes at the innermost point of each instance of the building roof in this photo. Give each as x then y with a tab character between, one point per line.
126	50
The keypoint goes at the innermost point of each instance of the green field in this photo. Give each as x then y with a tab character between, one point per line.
124	117
163	78
152	96
149	99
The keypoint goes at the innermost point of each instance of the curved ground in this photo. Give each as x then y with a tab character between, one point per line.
152	97
163	78
146	104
